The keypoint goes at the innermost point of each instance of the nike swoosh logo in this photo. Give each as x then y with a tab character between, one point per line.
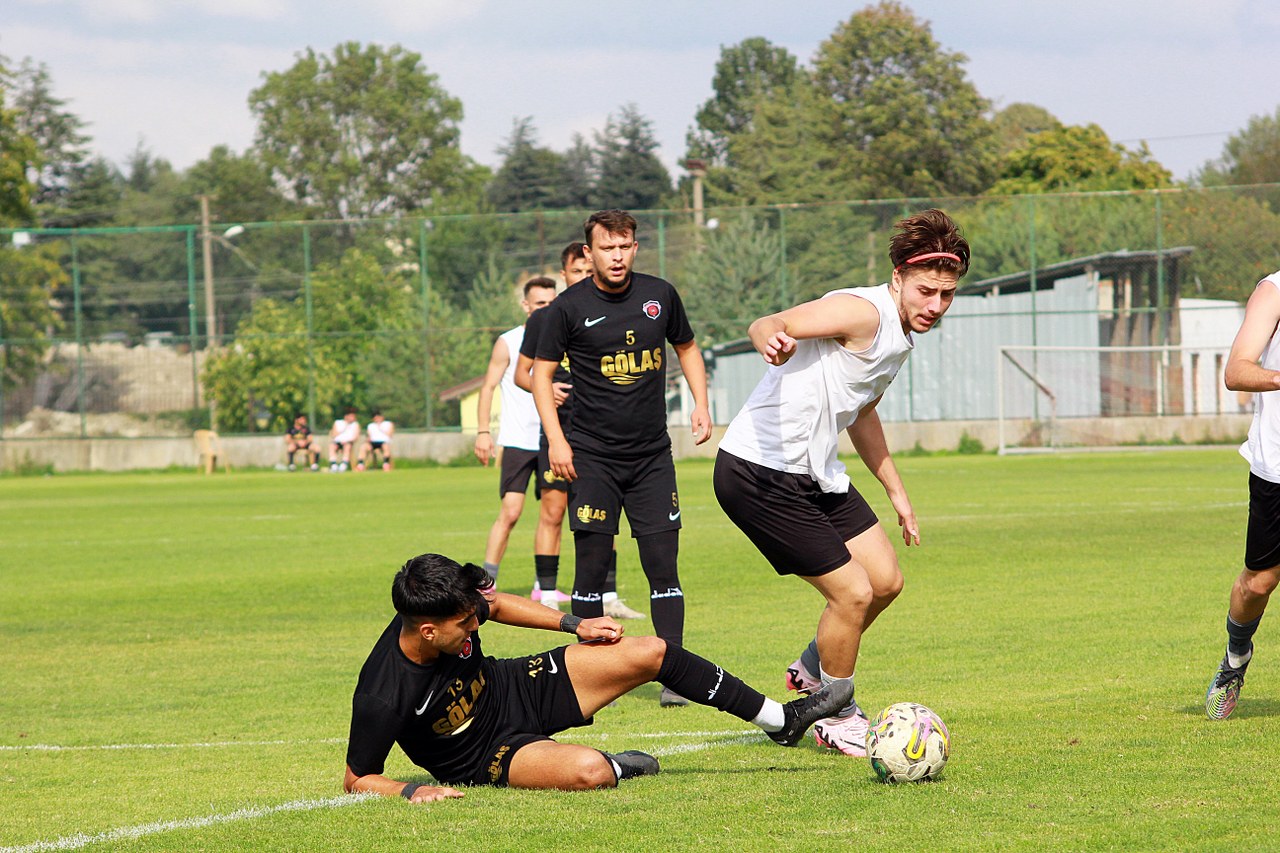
590	323
554	669
672	516
422	710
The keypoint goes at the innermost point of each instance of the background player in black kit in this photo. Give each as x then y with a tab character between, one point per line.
614	330
575	266
476	720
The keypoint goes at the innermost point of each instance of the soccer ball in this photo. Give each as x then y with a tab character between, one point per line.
908	743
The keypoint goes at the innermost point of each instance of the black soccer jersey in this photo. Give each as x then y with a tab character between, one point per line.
616	344
529	348
299	433
425	709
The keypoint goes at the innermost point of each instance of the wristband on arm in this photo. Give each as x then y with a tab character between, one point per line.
569	623
408	789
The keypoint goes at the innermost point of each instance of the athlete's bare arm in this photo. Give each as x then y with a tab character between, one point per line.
520	611
376	783
695	373
851	320
524	379
1261	315
867	435
498	361
559	453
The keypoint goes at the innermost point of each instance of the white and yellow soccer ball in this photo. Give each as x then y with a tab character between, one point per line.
908	743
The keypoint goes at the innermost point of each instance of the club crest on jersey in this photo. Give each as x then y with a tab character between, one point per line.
466	649
652	309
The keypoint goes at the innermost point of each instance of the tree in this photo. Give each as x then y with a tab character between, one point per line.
530	177
58	133
737	277
1013	124
1250	156
368	132
240	185
744	73
629	174
782	157
28	276
1080	159
357	308
900	111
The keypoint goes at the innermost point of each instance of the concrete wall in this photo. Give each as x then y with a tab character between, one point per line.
251	451
120	454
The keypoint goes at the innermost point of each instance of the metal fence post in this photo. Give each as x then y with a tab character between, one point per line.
75	289
191	319
662	246
311	351
426	319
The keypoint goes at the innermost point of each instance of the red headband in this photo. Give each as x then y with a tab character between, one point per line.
928	256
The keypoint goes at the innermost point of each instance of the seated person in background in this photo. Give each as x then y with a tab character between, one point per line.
300	437
377	442
343	436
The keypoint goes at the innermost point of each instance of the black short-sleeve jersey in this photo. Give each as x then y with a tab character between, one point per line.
617	346
299	433
420	707
529	348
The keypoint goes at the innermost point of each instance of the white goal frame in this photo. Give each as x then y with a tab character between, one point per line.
1195	365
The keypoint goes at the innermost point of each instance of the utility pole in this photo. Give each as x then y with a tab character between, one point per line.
211	324
206	238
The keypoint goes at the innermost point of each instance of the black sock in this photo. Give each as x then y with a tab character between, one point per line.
699	680
591	557
1240	637
611	576
291	457
546	568
809	658
666	600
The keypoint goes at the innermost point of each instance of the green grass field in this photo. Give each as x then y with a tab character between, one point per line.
177	655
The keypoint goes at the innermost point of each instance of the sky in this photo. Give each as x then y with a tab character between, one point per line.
175	75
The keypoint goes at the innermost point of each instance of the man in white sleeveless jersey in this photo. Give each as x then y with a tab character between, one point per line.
777	476
518	427
1254	365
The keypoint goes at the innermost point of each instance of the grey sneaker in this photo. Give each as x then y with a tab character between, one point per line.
635	763
671	699
802	713
1224	691
616	609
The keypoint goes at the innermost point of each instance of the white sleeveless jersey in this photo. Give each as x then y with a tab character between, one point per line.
793	419
380	432
1262	448
518	422
346	431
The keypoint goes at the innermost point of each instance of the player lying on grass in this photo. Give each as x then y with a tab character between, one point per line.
475	720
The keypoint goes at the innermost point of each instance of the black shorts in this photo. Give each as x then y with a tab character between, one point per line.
536	700
644	488
800	529
1262	541
518	465
547	479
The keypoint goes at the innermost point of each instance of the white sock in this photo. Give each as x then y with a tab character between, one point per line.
771	717
1237	661
549	598
852	707
610	596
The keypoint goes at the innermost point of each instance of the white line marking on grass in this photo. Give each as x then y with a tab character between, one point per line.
129	833
49	747
728	737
